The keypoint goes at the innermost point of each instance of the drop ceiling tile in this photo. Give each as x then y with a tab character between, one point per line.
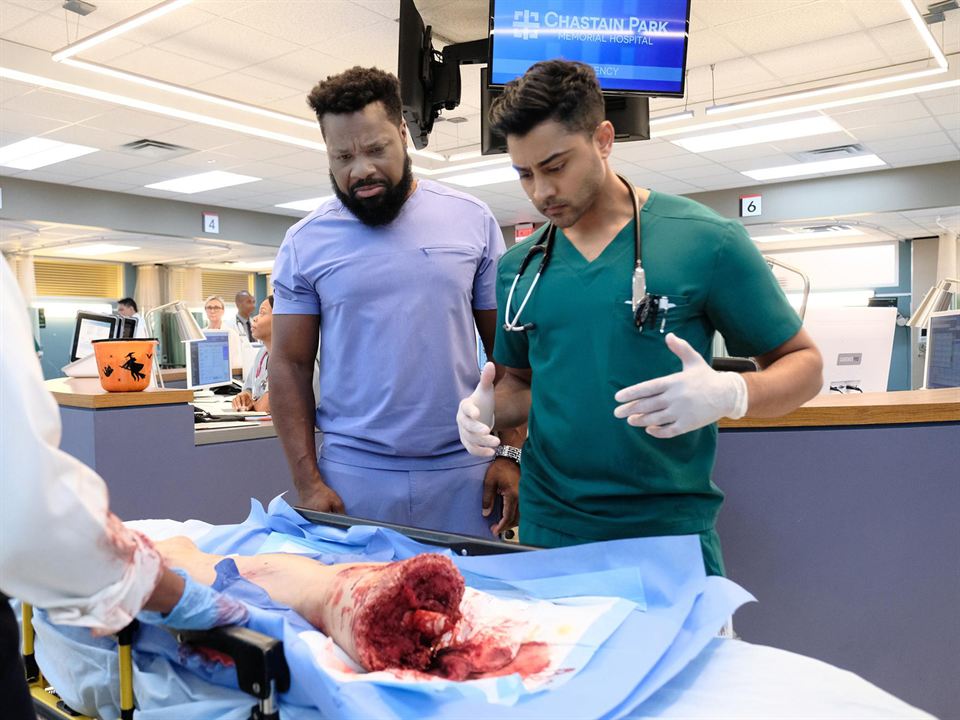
10	89
730	11
909	142
900	41
759	162
823	58
741	75
94	137
300	69
303	159
943	105
897	129
676	162
228	44
306	23
114	161
42	32
12	16
802	23
709	47
135	122
873	114
697	172
637	152
105	53
747	153
170	25
200	137
55	106
23	125
920	156
252	149
874	13
167	66
375	44
949	122
245	88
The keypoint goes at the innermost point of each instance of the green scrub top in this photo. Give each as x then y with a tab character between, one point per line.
586	473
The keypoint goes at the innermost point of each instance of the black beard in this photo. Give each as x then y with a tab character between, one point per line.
382	209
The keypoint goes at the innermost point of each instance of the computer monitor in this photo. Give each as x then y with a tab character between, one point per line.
942	367
91	326
633	47
127	328
208	361
856	344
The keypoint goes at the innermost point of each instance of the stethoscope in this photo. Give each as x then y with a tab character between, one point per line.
644	305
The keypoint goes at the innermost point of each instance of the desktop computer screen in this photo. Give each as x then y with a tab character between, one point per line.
208	361
942	369
90	327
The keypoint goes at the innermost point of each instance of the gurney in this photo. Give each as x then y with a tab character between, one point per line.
659	659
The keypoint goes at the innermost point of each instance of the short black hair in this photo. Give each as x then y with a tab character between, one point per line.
129	302
353	90
560	90
270	300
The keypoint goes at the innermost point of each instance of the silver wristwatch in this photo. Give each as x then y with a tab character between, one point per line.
509	452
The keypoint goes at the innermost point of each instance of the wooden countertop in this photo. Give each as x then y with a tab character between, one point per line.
890	408
87	393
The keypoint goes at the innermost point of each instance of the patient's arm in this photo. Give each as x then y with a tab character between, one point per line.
382	614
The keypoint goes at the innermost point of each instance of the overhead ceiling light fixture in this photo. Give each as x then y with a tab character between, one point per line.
483	177
308	205
202	182
924	31
820	92
839	232
95	249
125	101
922	28
825	105
807	127
673	117
119	28
37	152
814	168
190	93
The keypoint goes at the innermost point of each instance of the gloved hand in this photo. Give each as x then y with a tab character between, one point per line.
199	608
675	404
475	416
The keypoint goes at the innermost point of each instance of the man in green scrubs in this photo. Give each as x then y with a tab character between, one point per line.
622	421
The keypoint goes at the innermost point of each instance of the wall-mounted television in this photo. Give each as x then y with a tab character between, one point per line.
630	115
635	46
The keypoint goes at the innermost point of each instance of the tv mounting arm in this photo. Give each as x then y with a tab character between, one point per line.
444	77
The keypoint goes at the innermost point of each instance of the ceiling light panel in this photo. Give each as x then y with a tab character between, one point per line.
759	134
96	249
38	152
857	162
308	205
203	182
483	177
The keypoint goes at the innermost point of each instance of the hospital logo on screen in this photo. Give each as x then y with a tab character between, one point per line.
525	24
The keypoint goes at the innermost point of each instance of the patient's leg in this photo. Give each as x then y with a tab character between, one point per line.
382	614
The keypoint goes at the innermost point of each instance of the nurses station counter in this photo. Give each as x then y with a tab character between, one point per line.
156	465
843	519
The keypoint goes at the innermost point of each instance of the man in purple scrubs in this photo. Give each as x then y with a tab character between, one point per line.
396	271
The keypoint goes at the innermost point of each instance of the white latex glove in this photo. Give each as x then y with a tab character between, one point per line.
675	404
475	416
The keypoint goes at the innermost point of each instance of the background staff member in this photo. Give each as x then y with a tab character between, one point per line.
127	307
397	271
256	388
61	548
622	435
245	304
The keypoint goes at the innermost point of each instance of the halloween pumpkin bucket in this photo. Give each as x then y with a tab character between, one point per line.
125	364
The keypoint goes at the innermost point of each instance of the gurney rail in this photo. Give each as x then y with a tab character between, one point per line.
261	667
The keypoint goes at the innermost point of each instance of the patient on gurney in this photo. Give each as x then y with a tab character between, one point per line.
400	615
